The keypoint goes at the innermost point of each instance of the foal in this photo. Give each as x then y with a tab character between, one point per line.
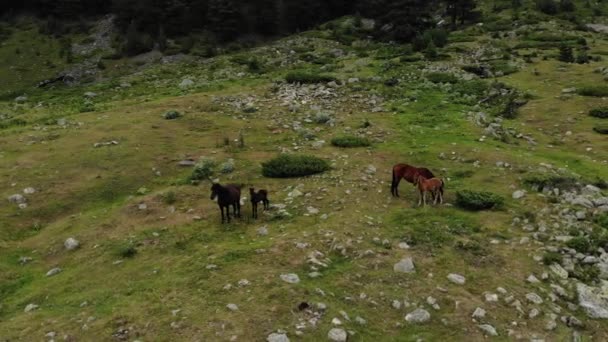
433	185
260	196
409	173
229	195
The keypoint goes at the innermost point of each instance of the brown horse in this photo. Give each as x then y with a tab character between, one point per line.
433	185
257	197
408	173
229	195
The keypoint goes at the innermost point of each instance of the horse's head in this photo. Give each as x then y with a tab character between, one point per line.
252	191
417	179
215	189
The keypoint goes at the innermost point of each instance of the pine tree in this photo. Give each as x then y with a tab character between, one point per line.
460	10
405	19
223	18
565	54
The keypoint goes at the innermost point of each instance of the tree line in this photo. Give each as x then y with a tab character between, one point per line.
227	20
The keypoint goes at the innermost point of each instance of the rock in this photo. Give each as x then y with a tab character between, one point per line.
479	313
353	80
262	231
371	169
53	272
71	244
580	215
90	94
295	193
396	304
312	210
406	265
186	162
594	300
559	271
582	201
418	316
569	90
532	279
21	99
534	298
30	307
277	337
291	278
17	199
456	279
360	320
488	329
519	194
337	335
232	307
186	83
491	297
29	191
24	260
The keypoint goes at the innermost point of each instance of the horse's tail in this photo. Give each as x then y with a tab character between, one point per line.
442	186
394	181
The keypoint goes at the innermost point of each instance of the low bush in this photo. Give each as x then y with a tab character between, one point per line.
287	165
478	200
127	251
322	118
440	77
580	244
203	170
308	77
601	129
172	115
350	141
601	112
595	90
551	258
540	181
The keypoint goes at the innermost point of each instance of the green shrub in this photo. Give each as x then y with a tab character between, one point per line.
322	118
551	258
595	90
172	115
474	200
580	244
540	181
441	77
287	165
586	273
601	112
169	197
602	220
503	67
227	167
127	251
203	169
601	129
473	87
350	141
308	77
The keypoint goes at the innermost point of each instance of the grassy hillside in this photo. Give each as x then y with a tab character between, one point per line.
155	264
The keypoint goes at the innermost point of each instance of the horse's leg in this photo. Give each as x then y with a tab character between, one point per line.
397	181
254	210
423	198
222	211
238	206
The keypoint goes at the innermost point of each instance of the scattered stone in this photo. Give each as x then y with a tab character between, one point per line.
488	329
559	271
29	191
277	337
17	199
186	83
232	307
21	99
71	244
30	307
53	272
479	313
594	300
337	335
532	279
456	279
262	231
491	297
291	278
418	316
406	265
534	298
519	194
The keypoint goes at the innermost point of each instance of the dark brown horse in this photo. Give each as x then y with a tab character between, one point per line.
257	197
409	173
229	195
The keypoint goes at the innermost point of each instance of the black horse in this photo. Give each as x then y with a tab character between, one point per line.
229	195
257	197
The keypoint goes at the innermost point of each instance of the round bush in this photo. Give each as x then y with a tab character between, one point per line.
601	129
601	113
350	141
287	165
474	200
172	115
203	169
308	78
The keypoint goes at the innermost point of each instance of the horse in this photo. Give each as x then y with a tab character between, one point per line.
408	173
257	197
432	185
229	195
